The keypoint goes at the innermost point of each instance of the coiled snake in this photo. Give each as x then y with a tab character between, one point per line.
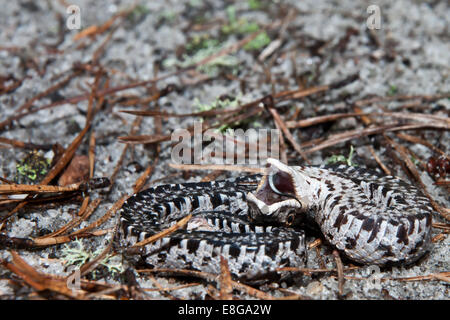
371	218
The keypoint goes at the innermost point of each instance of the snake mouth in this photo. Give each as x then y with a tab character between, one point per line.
276	194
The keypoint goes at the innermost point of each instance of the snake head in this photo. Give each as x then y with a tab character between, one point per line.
277	197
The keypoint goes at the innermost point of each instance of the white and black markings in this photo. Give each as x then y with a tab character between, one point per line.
371	218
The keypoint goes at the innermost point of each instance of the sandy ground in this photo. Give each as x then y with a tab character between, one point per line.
408	55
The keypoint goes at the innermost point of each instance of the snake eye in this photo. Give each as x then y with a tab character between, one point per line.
290	219
281	183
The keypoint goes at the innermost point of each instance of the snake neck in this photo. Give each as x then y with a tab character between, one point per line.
310	189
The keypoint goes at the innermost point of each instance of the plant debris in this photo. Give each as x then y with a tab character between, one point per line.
87	116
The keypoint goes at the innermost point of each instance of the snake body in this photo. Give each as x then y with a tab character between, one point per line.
371	218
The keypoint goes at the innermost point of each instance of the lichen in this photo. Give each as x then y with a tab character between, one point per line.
78	255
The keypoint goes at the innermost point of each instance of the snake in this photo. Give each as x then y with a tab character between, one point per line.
255	221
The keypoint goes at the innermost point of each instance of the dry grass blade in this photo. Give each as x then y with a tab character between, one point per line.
183	272
152	113
41	281
320	119
6	180
438	122
82	97
96	30
143	139
229	49
67	238
251	291
358	133
145	101
70	151
292	295
440	276
211	277
212	176
380	163
435	121
227	119
440	237
92	264
85	211
111	212
160	287
443	226
181	286
226	287
29	103
134	128
444	212
37	189
164	233
30	243
340	271
24	145
140	182
37	280
216	167
297	94
288	134
309	271
418	140
92	155
424	98
65	157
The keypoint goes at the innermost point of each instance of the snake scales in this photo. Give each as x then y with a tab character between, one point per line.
371	218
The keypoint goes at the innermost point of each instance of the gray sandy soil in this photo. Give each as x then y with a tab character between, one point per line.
320	44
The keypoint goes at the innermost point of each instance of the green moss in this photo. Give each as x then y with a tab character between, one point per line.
341	158
32	168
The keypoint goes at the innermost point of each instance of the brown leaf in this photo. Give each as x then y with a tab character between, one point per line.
77	171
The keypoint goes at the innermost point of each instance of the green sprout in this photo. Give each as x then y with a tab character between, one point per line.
243	26
78	255
32	168
195	3
414	160
259	42
392	90
168	15
201	42
211	67
341	158
254	4
220	103
138	13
